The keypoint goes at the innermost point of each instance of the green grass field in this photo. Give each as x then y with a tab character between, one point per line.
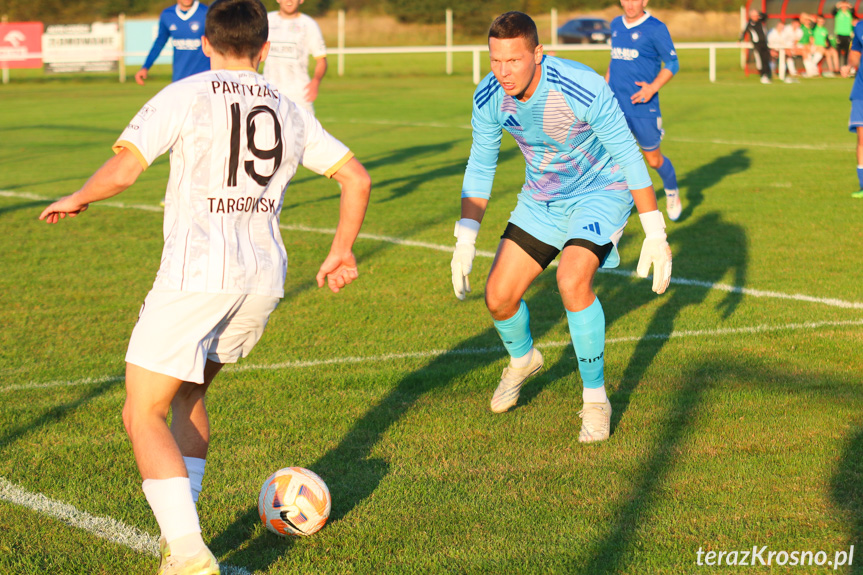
737	394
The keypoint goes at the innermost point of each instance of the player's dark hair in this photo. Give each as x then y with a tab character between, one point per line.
515	25
237	28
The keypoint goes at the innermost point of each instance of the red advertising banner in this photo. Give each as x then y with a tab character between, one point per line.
21	45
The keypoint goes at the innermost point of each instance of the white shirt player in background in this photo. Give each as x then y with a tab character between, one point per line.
235	144
293	38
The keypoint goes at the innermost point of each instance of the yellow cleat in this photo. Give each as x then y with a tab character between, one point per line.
164	552
204	563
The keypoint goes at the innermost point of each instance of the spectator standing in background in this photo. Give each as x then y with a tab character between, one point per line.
759	40
183	24
293	38
843	28
855	124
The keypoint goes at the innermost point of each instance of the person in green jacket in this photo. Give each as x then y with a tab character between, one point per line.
825	48
843	28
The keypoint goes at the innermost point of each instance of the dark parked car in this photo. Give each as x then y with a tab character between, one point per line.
584	31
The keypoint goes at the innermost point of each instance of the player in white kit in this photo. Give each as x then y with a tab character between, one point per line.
293	38
235	144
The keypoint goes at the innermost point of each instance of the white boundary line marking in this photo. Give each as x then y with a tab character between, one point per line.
399	241
427	245
103	527
675	280
466	351
548	344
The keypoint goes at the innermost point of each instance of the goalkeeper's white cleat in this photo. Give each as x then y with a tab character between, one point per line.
673	205
595	422
506	394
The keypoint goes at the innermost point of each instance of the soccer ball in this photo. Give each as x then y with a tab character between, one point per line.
294	501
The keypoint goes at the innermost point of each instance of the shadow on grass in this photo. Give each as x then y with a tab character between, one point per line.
689	246
24	206
413	180
718	247
613	552
623	295
348	469
847	493
57	413
707	176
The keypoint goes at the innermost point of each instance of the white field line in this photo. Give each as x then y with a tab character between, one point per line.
442	248
449	249
103	527
466	351
815	147
675	280
549	344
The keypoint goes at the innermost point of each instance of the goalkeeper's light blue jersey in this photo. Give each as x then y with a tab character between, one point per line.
571	131
638	52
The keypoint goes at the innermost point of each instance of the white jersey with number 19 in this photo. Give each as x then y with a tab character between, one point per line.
235	144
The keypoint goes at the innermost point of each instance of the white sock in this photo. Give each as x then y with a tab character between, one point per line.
195	468
670	192
523	361
171	502
594	395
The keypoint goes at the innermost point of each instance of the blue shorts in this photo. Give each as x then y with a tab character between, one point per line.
856	120
598	217
648	132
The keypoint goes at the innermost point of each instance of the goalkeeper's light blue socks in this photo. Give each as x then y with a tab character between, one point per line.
587	329
668	175
860	176
515	333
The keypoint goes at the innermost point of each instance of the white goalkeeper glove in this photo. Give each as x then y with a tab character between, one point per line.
466	231
655	251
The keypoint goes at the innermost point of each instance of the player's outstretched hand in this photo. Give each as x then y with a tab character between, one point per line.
656	252
63	207
462	264
140	76
337	271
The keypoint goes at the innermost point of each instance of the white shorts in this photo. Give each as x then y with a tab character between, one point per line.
177	332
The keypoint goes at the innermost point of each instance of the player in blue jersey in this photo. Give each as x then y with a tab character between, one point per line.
583	173
183	24
855	124
640	45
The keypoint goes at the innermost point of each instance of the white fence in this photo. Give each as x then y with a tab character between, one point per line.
341	52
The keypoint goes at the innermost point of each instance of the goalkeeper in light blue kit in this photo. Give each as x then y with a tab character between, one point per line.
583	171
643	60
